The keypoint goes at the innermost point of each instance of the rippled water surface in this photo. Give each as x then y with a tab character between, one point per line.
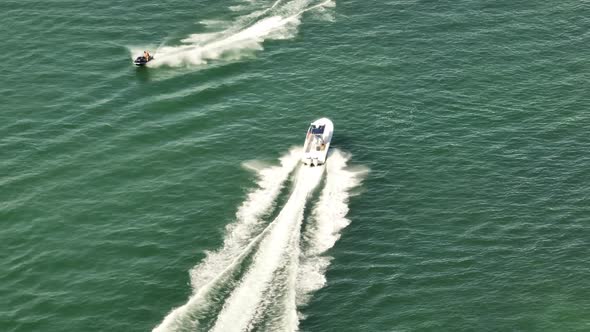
170	197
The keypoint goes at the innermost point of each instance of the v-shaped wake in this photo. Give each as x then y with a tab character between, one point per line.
264	272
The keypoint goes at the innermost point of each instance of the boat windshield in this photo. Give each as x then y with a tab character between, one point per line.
317	130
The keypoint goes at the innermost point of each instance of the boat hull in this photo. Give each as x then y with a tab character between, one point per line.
317	142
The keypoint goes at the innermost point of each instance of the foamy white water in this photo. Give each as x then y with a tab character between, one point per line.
239	239
327	221
243	37
248	218
241	307
278	259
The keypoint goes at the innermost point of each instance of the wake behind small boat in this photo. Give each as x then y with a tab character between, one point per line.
317	142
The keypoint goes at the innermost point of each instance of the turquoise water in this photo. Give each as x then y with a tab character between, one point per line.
460	159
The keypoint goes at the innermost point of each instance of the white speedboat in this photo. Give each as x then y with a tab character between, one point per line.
317	142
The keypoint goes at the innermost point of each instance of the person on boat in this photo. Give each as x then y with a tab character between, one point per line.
146	55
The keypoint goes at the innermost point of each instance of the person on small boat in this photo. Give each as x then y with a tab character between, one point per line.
146	55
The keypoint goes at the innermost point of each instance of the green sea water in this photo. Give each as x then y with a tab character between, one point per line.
170	197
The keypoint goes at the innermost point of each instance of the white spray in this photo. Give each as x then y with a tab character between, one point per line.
241	307
238	242
276	248
327	221
279	21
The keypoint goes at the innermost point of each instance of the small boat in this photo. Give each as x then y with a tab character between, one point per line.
317	142
142	61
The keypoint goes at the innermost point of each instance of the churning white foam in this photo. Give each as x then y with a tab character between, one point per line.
327	221
239	239
285	267
241	307
248	218
242	38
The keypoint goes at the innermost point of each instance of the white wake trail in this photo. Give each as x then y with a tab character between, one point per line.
241	307
279	21
248	216
327	221
237	244
285	267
